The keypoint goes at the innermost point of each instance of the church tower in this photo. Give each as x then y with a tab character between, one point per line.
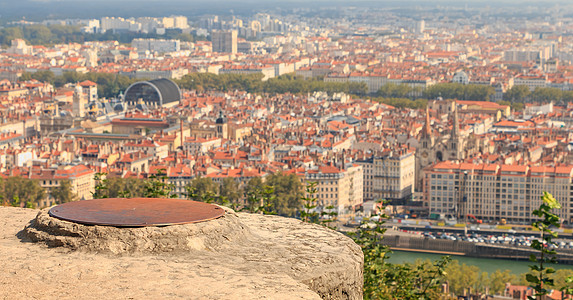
79	102
425	152
427	140
221	123
456	141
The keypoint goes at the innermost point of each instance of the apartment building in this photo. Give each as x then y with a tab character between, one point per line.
493	192
389	175
224	41
81	180
340	188
531	81
156	45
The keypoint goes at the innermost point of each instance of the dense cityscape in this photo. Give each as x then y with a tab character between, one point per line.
456	116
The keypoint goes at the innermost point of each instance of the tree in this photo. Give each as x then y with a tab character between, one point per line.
24	190
156	186
462	276
287	190
547	94
404	102
63	193
229	188
125	187
308	213
475	92
498	279
254	184
392	90
202	189
100	189
541	278
517	93
383	280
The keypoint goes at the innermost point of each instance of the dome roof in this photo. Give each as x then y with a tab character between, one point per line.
157	91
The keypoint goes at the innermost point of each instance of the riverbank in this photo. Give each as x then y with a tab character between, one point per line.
478	250
484	264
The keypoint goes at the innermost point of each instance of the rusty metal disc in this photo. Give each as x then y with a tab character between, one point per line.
136	212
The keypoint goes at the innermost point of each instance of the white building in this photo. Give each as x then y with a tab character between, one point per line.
461	77
156	45
389	175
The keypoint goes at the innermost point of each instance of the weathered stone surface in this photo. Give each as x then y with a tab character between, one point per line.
238	256
205	236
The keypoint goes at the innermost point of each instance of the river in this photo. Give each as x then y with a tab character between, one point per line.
485	264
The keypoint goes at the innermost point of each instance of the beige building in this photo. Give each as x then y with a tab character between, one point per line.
201	145
340	188
495	192
389	175
81	179
148	147
531	81
208	129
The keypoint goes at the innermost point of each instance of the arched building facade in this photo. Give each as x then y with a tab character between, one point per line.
156	92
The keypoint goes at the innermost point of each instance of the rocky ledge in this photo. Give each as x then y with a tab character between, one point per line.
236	256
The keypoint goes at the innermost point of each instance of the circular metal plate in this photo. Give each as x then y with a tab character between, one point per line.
136	212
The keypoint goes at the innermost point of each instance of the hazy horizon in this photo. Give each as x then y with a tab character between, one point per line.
53	9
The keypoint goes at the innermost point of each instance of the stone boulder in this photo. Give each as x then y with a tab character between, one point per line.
237	256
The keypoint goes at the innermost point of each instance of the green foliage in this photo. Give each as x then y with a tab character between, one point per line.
328	216
498	279
369	238
259	200
287	194
521	94
517	93
418	281
253	84
392	90
63	193
289	83
460	91
539	280
252	191
229	188
19	191
561	279
461	277
404	102
383	280
109	84
268	198
308	213
100	188
202	189
156	186
515	106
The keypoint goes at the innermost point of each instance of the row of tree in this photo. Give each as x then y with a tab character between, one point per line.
403	102
109	84
24	192
57	34
253	83
522	94
460	91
